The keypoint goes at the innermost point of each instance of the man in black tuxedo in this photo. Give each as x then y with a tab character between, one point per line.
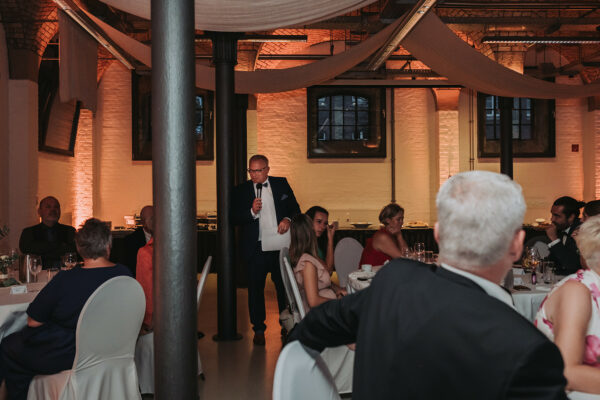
565	221
447	332
48	239
139	238
263	207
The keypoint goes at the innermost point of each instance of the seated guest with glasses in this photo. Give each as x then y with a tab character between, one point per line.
570	314
48	239
448	332
565	220
320	218
313	278
47	344
387	243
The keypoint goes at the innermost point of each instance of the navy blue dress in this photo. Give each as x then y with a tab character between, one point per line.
50	348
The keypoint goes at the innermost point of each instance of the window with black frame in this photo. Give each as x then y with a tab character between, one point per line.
532	126
346	122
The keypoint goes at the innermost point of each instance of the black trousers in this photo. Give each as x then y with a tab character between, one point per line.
257	268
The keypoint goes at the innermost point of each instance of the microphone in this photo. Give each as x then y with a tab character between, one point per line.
259	187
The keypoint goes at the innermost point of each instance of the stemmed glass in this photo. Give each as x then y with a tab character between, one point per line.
35	265
13	255
420	251
69	260
531	259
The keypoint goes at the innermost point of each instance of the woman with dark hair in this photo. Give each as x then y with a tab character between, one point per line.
313	278
320	218
387	242
590	209
47	344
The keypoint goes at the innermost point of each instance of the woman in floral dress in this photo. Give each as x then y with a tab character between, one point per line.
570	314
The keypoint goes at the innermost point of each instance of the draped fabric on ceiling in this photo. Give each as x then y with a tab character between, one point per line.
266	81
78	63
254	15
433	43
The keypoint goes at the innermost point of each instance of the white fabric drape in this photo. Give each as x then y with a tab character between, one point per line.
78	54
433	43
266	81
252	16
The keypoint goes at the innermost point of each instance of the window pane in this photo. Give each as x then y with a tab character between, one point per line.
362	103
199	102
526	117
323	133
526	103
515	117
349	103
323	118
516	103
489	116
515	131
489	132
337	117
337	102
363	118
497	123
338	133
349	118
526	132
489	102
362	132
349	132
323	103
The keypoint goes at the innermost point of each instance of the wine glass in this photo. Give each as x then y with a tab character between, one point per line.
35	266
420	251
69	260
13	255
531	259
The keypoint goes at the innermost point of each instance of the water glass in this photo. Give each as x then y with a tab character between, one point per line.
34	265
69	260
548	273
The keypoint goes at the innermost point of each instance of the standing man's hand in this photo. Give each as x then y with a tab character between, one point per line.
551	232
257	205
283	227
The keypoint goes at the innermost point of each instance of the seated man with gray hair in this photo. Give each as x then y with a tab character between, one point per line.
448	332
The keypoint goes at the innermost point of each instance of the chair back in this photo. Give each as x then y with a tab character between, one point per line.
346	256
202	281
284	254
294	286
109	322
301	373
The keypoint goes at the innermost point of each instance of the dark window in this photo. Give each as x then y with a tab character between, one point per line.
346	122
532	126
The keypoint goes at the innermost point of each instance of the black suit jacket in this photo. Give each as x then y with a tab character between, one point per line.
426	333
566	256
133	242
285	206
35	240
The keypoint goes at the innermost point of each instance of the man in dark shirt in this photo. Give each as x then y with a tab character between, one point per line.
49	239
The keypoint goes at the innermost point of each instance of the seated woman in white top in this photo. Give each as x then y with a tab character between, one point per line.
570	314
311	274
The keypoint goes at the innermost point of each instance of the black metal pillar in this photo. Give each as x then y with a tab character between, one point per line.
225	59
174	193
506	153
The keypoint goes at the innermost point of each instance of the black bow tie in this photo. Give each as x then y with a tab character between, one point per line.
265	184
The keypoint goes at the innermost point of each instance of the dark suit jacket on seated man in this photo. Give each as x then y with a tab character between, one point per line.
565	221
264	216
49	239
448	332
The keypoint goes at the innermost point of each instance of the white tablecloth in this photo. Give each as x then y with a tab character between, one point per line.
13	307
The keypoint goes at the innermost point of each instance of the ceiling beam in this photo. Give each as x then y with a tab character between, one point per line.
523	20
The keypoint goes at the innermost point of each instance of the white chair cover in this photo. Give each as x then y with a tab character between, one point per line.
284	254
301	374
346	257
583	396
107	330
294	286
144	348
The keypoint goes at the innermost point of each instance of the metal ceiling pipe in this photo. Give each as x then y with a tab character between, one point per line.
174	193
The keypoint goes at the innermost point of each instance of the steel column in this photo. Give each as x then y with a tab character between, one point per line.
174	193
225	59
506	153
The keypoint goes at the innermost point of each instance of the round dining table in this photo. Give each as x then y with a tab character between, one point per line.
13	307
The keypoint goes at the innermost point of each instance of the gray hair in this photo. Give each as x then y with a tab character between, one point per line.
93	239
588	242
479	213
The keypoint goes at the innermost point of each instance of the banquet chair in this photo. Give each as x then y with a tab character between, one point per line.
284	255
294	288
300	374
144	348
103	367
346	257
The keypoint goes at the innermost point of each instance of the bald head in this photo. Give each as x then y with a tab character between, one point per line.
49	211
147	218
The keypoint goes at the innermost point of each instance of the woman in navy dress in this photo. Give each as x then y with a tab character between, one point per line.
47	344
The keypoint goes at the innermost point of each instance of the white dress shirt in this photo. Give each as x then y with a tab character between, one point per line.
489	287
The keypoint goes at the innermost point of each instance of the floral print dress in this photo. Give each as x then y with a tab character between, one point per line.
592	339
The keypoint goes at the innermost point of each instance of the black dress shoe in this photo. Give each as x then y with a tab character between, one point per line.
259	339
